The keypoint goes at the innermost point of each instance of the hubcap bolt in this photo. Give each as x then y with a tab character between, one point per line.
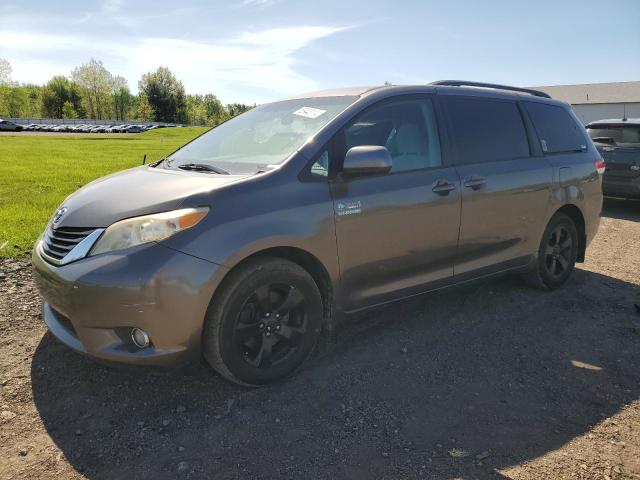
277	327
261	325
277	315
268	334
267	315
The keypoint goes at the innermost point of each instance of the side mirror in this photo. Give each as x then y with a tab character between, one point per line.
367	160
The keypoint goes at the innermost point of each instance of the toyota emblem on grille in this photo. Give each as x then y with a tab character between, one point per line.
59	214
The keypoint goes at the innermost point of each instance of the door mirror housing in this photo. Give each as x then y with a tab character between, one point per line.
367	160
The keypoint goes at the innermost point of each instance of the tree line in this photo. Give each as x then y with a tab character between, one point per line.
92	92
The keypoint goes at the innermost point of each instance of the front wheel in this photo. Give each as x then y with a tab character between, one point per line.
264	322
556	255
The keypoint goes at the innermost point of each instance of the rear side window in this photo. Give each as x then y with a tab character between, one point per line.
556	128
486	130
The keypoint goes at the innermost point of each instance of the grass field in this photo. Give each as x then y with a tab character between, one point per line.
38	172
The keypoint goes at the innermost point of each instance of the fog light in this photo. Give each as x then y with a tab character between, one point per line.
140	337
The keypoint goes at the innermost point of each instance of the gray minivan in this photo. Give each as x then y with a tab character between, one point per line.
248	241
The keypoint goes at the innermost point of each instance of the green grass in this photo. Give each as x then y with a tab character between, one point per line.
38	172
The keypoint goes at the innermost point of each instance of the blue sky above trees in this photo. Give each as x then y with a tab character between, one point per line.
260	50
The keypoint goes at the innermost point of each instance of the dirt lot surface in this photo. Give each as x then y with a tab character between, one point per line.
493	380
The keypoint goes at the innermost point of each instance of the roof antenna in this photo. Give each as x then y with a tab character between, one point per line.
144	159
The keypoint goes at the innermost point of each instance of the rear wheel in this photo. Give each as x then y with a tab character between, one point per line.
264	322
556	255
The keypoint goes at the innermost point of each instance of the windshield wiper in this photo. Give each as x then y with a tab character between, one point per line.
203	167
263	169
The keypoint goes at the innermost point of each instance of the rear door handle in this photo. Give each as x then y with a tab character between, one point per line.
475	182
443	187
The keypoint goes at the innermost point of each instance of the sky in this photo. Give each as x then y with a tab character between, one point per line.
254	51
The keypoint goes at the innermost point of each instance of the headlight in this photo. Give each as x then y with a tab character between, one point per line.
148	228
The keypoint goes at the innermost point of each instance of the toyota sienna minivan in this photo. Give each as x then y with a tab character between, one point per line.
245	243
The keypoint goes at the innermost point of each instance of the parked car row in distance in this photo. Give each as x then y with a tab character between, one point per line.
7	125
91	128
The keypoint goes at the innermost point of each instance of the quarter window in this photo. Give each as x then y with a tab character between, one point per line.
556	128
486	130
321	166
407	128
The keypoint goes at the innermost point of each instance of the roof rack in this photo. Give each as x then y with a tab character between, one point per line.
465	83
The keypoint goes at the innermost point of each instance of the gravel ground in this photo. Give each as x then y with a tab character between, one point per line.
493	380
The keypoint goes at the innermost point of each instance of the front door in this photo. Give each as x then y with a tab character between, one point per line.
399	231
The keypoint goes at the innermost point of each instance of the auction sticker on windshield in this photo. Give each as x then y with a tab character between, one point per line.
309	112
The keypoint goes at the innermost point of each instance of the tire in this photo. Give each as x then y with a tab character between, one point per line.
556	255
263	322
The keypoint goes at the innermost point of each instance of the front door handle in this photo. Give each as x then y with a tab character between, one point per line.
475	182
443	187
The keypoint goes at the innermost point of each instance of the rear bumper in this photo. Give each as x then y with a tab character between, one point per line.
92	304
628	187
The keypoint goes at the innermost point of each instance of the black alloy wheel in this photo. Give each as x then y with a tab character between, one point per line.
271	325
558	251
557	254
263	322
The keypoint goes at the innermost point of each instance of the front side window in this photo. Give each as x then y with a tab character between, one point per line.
486	130
556	128
265	135
407	128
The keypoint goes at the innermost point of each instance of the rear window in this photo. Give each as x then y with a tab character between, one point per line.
557	129
486	130
614	133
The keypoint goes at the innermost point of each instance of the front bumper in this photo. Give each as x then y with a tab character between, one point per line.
92	304
618	186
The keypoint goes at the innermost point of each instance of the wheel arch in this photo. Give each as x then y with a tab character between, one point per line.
308	262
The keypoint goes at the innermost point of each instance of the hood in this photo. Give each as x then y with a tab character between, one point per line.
134	192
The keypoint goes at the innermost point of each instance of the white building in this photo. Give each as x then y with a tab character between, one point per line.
596	101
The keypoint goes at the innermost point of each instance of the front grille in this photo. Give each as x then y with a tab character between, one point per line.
57	242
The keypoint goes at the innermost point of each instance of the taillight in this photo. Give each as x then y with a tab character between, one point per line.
600	166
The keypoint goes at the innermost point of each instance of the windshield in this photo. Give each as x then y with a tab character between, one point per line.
619	134
265	135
